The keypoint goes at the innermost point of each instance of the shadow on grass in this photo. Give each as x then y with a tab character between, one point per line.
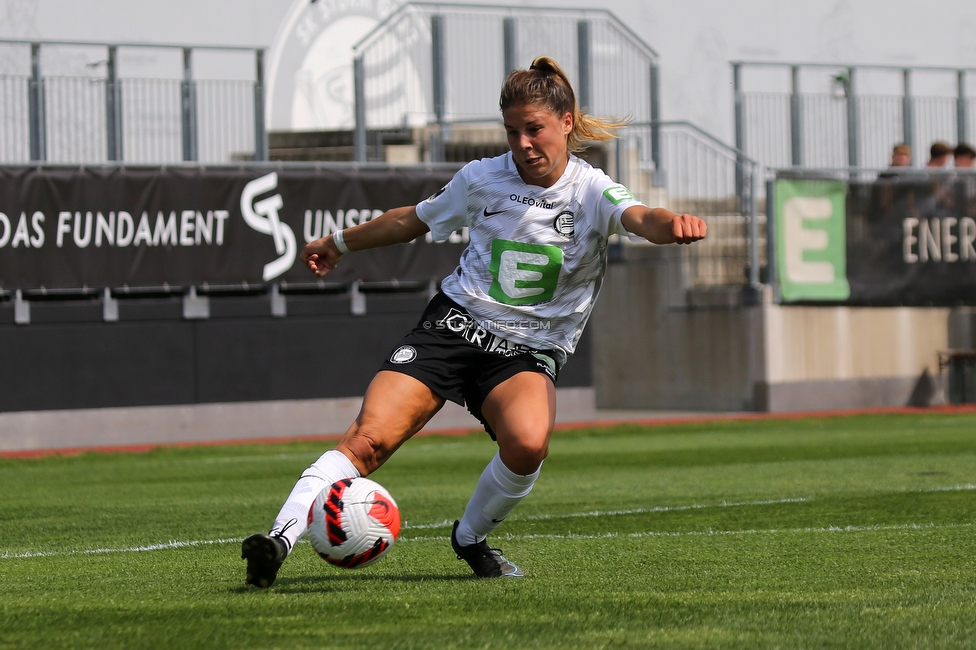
342	582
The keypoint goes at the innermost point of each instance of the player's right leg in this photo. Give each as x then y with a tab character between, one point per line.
521	411
395	407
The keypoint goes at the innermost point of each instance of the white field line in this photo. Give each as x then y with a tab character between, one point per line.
595	513
635	511
131	549
710	532
632	511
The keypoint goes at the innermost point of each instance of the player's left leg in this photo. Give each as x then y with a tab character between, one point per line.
521	412
394	408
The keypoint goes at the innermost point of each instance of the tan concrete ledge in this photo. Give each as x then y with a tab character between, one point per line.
149	425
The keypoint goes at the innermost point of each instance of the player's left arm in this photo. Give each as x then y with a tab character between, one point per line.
396	226
661	226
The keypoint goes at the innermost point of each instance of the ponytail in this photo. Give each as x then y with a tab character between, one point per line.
545	84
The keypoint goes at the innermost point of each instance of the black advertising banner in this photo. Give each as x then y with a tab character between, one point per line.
148	227
911	240
904	239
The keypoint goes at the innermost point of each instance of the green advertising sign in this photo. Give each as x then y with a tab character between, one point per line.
811	246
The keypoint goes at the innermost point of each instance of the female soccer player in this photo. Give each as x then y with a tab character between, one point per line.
504	322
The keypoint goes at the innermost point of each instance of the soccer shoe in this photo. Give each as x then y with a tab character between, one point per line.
265	555
486	562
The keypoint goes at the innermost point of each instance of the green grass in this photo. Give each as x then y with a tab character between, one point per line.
841	532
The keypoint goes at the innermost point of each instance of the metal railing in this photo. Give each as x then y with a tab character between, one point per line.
441	64
95	119
836	115
14	117
701	175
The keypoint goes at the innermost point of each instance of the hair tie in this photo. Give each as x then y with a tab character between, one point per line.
534	67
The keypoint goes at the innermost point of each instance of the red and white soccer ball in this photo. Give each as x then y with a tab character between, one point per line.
353	523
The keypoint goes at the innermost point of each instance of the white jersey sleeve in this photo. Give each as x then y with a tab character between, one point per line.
615	200
447	209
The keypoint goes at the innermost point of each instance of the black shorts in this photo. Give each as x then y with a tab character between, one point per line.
458	360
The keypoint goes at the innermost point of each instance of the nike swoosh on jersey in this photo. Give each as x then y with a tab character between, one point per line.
488	214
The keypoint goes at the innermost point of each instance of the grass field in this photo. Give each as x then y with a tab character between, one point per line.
838	532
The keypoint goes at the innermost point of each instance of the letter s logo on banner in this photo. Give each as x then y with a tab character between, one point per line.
263	217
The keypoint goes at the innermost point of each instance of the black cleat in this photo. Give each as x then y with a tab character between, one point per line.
486	562
265	555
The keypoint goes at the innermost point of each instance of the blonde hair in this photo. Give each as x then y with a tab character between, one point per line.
545	84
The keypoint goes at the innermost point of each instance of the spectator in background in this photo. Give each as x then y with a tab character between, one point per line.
963	156
894	193
939	197
939	154
901	155
901	159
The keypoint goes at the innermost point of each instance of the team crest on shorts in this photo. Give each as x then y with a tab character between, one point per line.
404	354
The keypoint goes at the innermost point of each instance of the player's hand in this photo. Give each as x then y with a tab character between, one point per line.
321	255
688	228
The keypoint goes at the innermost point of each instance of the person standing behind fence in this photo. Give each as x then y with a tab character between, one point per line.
964	159
894	192
939	197
901	155
963	156
939	154
901	160
503	323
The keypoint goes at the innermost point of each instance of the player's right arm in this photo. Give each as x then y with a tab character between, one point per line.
396	226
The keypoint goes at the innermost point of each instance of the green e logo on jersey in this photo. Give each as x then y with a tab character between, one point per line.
618	194
524	274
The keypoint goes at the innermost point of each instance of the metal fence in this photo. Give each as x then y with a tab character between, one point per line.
833	116
95	119
443	64
14	111
701	175
152	122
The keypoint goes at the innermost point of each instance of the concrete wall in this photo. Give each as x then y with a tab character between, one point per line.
850	357
656	345
962	328
188	423
651	349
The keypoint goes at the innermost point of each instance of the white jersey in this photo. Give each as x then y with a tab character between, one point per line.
536	258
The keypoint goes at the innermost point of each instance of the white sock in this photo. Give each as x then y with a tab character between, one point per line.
292	520
499	490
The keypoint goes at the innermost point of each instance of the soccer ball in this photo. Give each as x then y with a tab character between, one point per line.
353	523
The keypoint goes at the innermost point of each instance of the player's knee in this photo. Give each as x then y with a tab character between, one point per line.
537	452
524	455
365	446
